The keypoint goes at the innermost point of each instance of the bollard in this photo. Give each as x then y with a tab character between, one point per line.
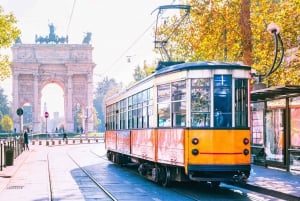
59	142
47	143
97	140
73	141
80	141
66	141
33	142
53	142
88	140
40	142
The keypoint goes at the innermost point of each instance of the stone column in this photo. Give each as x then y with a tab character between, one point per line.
36	105
90	121
69	104
16	102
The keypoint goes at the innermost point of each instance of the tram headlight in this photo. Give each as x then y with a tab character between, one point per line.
195	152
246	152
246	141
195	141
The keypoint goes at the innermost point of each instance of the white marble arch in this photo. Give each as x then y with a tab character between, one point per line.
70	66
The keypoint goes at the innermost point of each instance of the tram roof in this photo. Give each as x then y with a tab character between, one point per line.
165	67
275	92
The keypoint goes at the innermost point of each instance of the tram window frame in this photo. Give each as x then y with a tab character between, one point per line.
241	103
222	101
178	102
200	109
164	105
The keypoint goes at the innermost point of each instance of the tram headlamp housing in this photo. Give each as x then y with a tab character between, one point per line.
195	141
246	141
246	152
195	152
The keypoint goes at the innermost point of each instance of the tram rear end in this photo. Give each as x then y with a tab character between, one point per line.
218	155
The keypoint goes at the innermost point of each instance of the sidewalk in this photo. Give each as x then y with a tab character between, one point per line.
268	181
274	182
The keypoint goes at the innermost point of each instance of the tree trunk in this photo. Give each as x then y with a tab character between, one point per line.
246	32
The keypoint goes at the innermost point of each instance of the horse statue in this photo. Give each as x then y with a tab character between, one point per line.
87	38
51	38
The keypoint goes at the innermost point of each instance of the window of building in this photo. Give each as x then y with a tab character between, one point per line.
257	127
200	102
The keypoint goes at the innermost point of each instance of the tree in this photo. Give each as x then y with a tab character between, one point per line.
8	34
235	31
140	73
6	123
105	89
4	109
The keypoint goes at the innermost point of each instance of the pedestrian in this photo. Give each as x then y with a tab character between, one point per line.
26	140
21	141
64	136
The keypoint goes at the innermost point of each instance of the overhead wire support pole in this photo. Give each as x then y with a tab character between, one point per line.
161	44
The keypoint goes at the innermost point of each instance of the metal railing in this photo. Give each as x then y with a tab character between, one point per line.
10	149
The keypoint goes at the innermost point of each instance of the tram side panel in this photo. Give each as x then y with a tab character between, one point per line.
170	146
143	144
110	140
123	142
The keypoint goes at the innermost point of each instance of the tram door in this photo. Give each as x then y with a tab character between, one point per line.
275	135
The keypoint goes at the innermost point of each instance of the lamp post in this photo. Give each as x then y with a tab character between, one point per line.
46	117
87	116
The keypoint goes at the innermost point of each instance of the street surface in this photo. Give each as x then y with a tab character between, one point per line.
82	172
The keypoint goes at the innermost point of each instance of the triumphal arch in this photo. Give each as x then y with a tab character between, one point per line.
70	66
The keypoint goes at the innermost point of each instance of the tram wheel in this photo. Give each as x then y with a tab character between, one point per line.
165	176
215	184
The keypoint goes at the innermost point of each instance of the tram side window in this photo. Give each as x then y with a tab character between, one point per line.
123	114
139	110
150	108
134	111
108	117
115	115
130	117
145	110
163	99
241	103
178	92
222	101
200	102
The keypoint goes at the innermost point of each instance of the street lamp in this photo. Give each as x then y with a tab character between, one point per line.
87	116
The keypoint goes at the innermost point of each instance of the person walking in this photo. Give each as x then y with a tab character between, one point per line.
65	136
26	141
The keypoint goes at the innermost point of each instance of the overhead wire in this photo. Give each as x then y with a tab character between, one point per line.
112	66
71	16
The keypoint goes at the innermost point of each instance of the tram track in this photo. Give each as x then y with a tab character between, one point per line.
56	192
109	195
192	191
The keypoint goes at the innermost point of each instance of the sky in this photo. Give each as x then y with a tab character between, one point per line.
120	29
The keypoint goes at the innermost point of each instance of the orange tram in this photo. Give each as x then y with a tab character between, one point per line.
185	122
